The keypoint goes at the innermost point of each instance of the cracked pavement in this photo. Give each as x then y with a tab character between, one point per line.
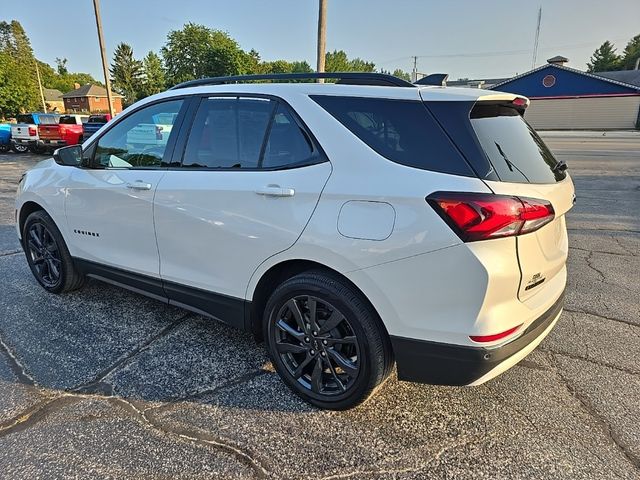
105	383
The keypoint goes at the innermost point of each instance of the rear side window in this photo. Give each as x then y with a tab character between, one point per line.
402	131
67	120
515	150
287	143
228	132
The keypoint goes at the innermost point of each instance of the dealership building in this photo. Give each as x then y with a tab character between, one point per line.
566	98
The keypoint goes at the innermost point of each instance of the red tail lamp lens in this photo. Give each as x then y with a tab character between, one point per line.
495	336
480	216
519	102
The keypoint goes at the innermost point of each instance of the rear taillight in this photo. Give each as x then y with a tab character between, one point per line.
62	130
33	131
481	216
495	336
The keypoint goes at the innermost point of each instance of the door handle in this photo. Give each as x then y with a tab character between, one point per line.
276	191
139	185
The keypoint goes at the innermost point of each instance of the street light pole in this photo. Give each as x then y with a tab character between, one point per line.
103	54
322	37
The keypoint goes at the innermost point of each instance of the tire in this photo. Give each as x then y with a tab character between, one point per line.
38	150
338	364
48	255
4	148
19	148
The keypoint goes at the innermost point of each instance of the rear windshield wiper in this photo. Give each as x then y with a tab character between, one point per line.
561	166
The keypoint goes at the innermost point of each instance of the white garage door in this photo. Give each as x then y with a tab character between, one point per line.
584	113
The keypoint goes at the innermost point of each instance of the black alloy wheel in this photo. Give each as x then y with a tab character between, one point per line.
48	255
44	254
317	344
325	340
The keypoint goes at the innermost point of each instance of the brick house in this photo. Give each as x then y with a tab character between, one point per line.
90	99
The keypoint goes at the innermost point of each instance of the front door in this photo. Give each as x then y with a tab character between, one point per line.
250	179
109	202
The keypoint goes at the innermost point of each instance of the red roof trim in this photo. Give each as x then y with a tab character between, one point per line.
595	95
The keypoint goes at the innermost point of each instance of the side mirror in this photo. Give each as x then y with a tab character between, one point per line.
70	156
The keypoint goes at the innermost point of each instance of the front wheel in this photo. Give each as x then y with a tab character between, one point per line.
48	255
326	341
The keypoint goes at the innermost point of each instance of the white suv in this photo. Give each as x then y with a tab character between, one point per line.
352	225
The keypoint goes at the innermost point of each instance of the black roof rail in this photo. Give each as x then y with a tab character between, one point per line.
439	79
347	78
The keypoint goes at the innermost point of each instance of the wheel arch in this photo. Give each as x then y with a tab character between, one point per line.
26	209
282	271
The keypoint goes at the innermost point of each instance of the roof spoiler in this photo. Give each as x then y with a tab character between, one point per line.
439	79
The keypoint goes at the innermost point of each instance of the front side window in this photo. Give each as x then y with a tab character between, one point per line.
139	140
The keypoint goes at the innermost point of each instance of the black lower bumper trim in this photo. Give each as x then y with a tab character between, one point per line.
446	364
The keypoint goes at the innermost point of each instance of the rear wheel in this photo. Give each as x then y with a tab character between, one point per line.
326	341
19	148
4	148
48	256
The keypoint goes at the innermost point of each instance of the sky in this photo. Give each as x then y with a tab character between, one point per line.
465	38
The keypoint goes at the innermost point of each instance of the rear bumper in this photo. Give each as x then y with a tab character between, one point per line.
24	141
51	143
446	364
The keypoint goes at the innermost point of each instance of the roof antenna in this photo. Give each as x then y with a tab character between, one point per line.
535	44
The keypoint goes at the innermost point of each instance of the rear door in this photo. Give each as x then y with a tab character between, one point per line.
526	168
249	180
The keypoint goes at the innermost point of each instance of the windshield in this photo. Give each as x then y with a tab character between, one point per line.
515	150
68	120
97	119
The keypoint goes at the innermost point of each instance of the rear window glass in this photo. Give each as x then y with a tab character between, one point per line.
97	119
25	119
67	120
403	131
515	150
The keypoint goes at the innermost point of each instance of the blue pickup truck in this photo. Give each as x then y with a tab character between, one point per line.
5	137
93	124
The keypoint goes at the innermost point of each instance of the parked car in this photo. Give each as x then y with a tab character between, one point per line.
93	124
350	225
24	134
68	131
5	137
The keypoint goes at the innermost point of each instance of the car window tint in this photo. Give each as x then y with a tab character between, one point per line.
67	120
140	139
228	133
515	150
97	119
287	143
402	131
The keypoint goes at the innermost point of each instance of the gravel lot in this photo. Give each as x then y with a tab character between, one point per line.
109	384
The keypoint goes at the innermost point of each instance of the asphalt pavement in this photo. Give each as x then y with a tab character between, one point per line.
104	383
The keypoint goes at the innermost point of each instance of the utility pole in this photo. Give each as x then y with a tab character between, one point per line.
535	43
103	54
44	105
414	73
322	36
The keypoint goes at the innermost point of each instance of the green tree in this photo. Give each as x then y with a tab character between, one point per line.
402	74
338	61
631	53
604	59
126	73
18	84
153	79
197	51
61	66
